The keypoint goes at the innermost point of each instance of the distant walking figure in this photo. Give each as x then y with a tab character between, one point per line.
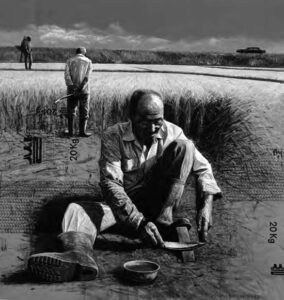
26	49
77	73
21	48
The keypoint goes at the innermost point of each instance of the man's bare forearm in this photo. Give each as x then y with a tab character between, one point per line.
204	217
208	200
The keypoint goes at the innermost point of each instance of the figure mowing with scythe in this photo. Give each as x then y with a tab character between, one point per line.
76	75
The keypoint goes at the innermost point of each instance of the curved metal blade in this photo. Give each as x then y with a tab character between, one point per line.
182	246
64	97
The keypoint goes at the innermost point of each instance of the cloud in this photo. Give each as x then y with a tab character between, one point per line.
114	36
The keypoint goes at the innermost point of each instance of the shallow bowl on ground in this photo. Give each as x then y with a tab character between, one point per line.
141	270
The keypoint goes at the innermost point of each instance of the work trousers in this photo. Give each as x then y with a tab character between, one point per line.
173	167
81	100
28	60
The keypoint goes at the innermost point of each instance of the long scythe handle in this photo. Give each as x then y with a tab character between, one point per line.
62	98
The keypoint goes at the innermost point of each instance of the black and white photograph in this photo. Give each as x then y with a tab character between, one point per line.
141	149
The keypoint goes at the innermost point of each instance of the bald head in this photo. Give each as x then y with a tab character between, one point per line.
148	101
151	105
146	114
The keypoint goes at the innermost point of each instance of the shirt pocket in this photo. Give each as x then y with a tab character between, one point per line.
130	164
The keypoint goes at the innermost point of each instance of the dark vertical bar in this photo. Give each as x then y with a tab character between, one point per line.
34	149
40	150
34	119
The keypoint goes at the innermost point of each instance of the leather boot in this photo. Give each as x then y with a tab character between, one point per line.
75	263
71	121
83	128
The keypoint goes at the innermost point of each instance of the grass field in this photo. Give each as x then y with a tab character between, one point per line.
231	114
223	115
236	119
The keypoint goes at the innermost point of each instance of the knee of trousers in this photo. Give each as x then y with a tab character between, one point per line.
84	113
184	147
73	208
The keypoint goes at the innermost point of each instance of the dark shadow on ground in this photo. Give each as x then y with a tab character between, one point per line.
48	219
47	222
20	277
117	241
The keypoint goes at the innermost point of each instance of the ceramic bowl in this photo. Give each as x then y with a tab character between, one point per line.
142	271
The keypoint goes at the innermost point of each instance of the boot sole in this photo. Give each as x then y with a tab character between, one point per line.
51	269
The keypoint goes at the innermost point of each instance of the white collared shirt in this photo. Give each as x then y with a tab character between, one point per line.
76	69
125	165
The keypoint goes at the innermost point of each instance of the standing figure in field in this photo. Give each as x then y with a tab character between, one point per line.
21	48
26	50
77	74
144	166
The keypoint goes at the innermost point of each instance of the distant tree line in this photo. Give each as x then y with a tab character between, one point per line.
12	54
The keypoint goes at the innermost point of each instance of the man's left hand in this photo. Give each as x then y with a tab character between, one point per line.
77	91
204	218
72	89
150	235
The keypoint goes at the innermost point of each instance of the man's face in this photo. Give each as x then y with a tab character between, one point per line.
148	119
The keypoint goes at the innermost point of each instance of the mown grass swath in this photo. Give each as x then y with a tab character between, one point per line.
222	129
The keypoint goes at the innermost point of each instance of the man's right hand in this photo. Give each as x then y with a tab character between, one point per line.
204	218
72	89
150	234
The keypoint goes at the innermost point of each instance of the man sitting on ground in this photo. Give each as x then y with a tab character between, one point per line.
144	166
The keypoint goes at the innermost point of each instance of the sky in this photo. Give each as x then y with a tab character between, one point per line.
176	25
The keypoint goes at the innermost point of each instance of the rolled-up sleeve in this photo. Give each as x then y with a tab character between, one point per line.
206	180
111	182
67	75
89	69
